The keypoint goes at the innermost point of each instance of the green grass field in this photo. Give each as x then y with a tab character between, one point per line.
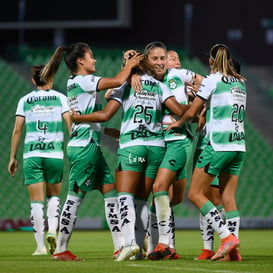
96	247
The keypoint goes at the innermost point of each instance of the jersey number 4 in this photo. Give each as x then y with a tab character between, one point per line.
42	126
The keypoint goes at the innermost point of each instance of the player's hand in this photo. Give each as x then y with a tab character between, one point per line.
13	167
73	115
174	124
136	83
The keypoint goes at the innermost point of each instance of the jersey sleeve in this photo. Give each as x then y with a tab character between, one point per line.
206	88
65	107
20	108
117	93
166	92
89	83
186	75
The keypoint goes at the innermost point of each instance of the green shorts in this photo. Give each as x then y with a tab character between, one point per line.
88	168
177	155
216	162
215	181
144	159
42	169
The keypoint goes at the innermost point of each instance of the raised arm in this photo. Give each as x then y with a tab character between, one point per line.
122	76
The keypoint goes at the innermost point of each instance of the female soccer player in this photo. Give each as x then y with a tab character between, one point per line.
88	168
42	111
224	92
141	146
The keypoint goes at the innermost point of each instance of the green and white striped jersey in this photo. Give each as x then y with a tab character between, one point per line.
142	113
226	109
43	110
82	97
175	79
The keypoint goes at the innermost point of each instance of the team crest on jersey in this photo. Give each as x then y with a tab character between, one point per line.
172	84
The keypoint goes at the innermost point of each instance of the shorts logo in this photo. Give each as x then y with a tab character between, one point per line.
135	159
172	162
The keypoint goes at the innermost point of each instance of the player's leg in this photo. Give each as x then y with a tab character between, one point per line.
54	174
34	179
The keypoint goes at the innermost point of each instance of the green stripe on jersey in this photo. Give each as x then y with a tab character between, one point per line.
44	126
228	137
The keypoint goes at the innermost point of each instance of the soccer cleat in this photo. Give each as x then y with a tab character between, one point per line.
128	251
139	256
174	255
65	256
116	253
160	252
40	252
145	244
226	246
225	258
206	254
235	255
51	239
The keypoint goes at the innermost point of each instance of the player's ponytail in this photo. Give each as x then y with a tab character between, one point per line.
52	66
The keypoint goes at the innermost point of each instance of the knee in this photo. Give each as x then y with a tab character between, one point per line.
191	196
159	186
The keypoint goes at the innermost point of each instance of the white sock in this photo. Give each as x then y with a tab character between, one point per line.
163	214
113	221
67	222
233	222
37	220
172	228
213	217
128	217
207	233
53	213
221	211
152	231
141	221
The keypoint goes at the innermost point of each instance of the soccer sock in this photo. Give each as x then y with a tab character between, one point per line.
53	213
67	222
213	217
221	211
233	222
207	233
152	231
113	219
37	220
141	221
127	216
163	214
172	228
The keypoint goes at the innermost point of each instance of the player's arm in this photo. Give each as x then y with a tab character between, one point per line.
176	108
68	121
100	116
15	140
192	111
122	76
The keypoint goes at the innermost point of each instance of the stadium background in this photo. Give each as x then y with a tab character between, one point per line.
111	26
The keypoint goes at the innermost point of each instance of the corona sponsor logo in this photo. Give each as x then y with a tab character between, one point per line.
34	99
